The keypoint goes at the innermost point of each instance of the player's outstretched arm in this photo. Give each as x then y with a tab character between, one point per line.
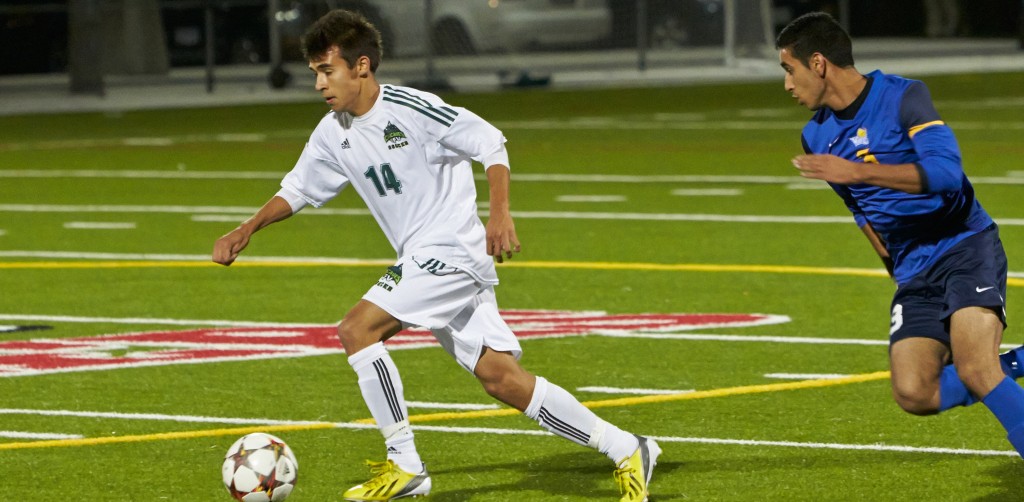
501	231
834	169
228	247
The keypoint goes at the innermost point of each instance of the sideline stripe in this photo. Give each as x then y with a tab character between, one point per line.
660	398
839	446
37	435
368	423
620	390
803	376
323	262
237	431
516	432
561	215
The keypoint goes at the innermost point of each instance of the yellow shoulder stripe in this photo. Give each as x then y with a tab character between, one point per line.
916	129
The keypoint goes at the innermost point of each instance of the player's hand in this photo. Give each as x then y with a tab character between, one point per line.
828	168
501	237
228	247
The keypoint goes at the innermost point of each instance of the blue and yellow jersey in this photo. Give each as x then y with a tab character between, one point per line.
895	122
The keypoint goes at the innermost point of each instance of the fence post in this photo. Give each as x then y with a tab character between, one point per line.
85	52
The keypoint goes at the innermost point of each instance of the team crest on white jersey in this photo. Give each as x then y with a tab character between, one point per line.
394	137
861	139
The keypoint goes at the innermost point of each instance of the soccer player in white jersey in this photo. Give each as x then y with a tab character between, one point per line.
408	154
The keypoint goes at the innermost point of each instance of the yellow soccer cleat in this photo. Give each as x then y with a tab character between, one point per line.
634	473
390	482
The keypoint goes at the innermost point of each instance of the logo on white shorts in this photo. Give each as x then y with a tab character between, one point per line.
436	267
392	276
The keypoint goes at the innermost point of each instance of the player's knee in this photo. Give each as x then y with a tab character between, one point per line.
353	337
915	398
506	384
979	377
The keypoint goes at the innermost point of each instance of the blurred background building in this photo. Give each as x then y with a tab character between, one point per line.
431	43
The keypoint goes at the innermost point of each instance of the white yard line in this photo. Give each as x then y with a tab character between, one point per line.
631	391
707	192
591	198
1010	179
37	435
215	218
518	432
804	376
99	225
146	320
74	255
556	215
614	334
450	406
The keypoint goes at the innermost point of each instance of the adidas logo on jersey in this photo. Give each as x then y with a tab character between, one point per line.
345	144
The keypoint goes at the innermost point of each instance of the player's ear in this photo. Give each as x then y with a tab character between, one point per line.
363	66
818	64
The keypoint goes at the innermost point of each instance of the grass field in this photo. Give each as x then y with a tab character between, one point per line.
654	201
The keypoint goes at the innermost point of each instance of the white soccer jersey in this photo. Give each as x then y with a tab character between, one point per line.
409	158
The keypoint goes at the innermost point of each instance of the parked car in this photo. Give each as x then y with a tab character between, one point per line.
471	26
240	27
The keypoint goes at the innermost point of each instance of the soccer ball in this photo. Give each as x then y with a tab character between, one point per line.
259	467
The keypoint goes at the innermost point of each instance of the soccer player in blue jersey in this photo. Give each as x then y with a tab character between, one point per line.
879	143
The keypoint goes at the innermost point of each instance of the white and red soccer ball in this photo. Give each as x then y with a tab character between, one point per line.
259	467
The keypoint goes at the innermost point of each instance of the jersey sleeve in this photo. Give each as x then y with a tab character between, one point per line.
456	128
475	137
316	178
939	155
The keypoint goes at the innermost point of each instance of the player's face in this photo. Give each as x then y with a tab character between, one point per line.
803	83
340	85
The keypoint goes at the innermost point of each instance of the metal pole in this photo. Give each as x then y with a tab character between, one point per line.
641	35
730	32
844	14
85	48
275	33
208	17
428	19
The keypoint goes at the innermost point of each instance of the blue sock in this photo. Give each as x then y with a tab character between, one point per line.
1006	402
1012	364
952	391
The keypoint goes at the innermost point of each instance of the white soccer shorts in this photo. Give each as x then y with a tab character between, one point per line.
461	312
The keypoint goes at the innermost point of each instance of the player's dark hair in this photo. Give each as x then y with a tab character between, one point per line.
816	32
350	31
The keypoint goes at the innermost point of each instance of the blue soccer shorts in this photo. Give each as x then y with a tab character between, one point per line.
971	274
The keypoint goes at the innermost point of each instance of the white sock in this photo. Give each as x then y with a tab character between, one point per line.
381	387
562	414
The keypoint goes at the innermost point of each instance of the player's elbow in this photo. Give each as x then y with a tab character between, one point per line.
940	175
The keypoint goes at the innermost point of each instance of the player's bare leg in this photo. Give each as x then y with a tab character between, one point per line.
916	364
975	335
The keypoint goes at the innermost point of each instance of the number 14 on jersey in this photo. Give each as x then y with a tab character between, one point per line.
385	181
